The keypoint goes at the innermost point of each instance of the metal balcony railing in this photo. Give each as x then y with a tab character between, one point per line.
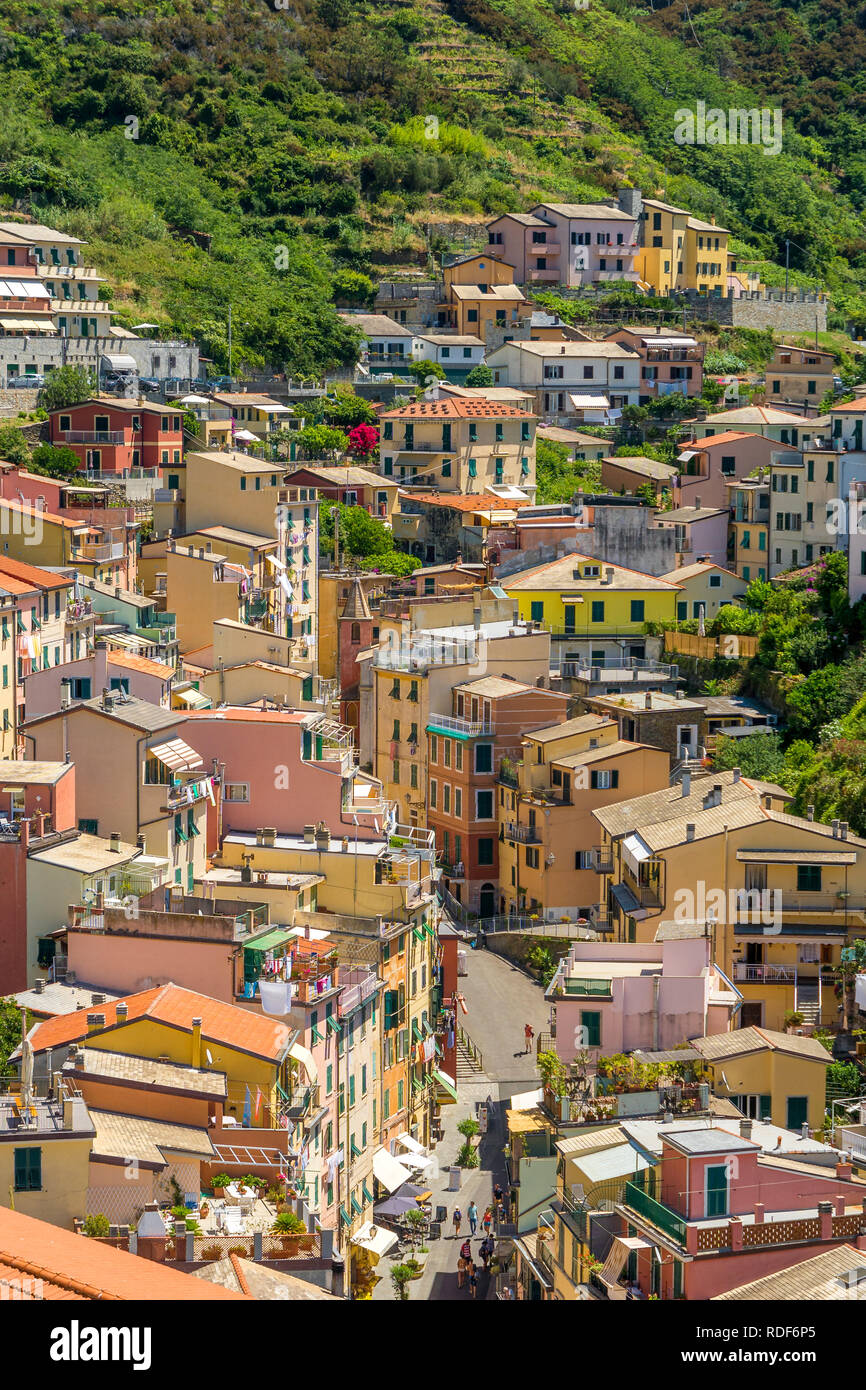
653	1211
525	834
453	724
602	859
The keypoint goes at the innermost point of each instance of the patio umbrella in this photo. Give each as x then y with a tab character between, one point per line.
403	1200
702	628
27	1071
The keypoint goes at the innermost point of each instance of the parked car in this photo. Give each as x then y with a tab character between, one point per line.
29	383
220	383
150	385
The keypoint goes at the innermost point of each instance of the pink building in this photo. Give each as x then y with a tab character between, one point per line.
611	997
717	1213
567	243
285	768
87	502
700	532
105	669
708	465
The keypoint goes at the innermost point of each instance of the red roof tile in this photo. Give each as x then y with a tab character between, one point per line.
170	1004
77	1267
453	407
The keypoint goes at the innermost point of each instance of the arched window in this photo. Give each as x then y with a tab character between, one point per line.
356	634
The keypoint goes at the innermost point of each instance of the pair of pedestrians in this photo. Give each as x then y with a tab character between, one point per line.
467	1270
457	1219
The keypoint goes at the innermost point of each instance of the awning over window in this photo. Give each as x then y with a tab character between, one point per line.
375	1239
27	326
445	1084
389	1171
271	939
176	755
305	1057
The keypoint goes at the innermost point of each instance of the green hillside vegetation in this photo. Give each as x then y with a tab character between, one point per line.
300	141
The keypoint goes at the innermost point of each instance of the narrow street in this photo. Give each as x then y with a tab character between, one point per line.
500	1001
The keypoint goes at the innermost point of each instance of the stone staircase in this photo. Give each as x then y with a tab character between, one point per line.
469	1063
809	1002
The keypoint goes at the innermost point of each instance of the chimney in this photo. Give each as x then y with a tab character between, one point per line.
196	1042
648	700
122	1011
309	834
96	1000
687	783
476	619
608	574
745	1129
697	503
115	842
843	830
843	1167
117	591
810	813
39	986
95	1022
150	1234
106	698
835	825
679	695
690	832
65	694
717	793
737	774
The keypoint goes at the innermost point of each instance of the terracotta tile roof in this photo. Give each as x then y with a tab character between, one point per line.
45	515
170	1004
455	407
140	663
855	405
31	575
728	437
482	502
74	1267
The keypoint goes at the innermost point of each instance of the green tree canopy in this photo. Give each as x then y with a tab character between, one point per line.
67	386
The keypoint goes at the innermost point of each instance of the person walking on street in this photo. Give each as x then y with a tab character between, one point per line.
472	1213
486	1250
528	1035
466	1250
487	1219
461	1271
497	1193
473	1277
457	1218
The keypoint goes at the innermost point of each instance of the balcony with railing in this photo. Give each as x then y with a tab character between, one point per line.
79	611
100	550
94	436
760	974
656	1213
524	834
453	724
602	859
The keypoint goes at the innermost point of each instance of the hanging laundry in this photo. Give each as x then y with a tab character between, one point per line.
333	1163
258	1100
248	1106
276	996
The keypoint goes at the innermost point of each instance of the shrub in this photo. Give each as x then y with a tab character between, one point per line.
96	1225
287	1224
467	1156
221	1180
211	1252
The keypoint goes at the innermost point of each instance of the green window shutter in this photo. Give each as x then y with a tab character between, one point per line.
329	1080
766	1106
473	468
592	1023
351	1090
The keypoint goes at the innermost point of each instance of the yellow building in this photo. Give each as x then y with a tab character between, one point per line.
786	893
413	670
773	1076
546	829
39	537
460	445
45	1157
750	526
704	585
236	492
178	1025
583	599
681	252
480	292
